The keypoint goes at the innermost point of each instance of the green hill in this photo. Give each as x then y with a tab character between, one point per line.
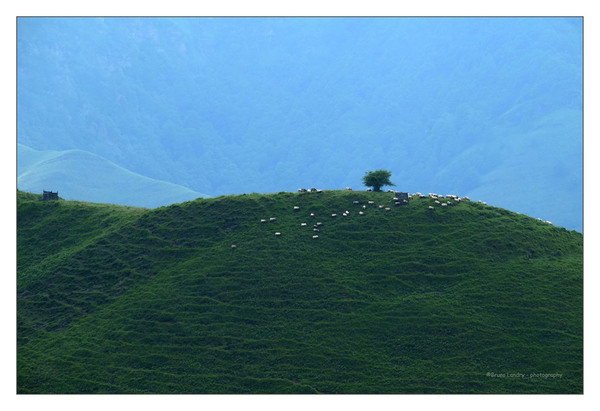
458	299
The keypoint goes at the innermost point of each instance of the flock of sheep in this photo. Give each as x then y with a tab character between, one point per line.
396	202
448	200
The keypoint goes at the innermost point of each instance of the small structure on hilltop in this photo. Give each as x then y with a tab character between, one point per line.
402	198
49	195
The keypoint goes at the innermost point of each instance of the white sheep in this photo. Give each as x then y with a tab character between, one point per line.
272	219
334	215
444	205
312	214
371	202
233	246
315	237
302	224
355	202
262	220
278	233
437	202
387	209
348	188
296	208
361	213
431	207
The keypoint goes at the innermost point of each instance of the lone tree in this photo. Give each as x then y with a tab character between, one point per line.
377	179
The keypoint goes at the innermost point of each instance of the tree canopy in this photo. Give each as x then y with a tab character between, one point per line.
377	179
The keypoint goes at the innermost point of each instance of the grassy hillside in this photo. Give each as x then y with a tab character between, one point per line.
411	300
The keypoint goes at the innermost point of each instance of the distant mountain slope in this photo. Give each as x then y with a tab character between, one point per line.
238	105
80	175
454	299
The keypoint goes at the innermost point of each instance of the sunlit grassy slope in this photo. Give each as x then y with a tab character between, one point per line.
124	300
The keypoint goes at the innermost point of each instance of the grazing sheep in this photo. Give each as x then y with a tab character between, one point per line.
361	213
368	189
355	202
431	207
347	212
484	203
315	237
548	222
395	199
380	206
302	224
312	190
479	201
437	202
444	205
296	208
539	219
277	233
371	202
319	191
262	220
319	224
312	214
364	207
348	188
397	203
334	215
233	246
422	196
302	190
387	209
272	219
316	230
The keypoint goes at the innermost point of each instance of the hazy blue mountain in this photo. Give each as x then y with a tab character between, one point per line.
80	175
484	107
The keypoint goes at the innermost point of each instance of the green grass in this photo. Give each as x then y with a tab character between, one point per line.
125	300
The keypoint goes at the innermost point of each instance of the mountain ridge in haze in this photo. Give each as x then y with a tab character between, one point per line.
240	105
84	176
